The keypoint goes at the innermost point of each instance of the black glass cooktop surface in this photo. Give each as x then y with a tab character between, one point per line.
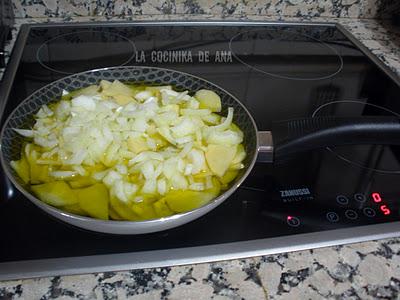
279	72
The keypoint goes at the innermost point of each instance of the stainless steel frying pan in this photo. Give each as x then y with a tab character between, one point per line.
286	138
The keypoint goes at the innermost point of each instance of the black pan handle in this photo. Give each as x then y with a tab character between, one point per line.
300	135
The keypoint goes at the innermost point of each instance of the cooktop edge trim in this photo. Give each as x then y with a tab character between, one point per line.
194	255
11	68
180	23
389	72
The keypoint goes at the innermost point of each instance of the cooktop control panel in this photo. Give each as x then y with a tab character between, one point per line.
355	208
300	208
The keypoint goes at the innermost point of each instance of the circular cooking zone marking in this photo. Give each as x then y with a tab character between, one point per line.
368	157
293	221
286	54
351	214
369	212
342	200
79	51
360	197
332	217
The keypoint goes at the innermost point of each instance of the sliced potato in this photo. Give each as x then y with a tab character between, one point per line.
123	209
161	209
215	189
240	154
228	176
90	90
38	173
81	182
22	168
202	174
75	209
94	200
144	211
123	99
105	84
156	89
56	193
186	200
209	99
237	166
219	158
116	88
113	214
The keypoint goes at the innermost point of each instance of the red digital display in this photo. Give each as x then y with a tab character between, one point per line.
378	199
385	210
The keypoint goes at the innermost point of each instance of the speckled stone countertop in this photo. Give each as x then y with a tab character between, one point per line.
369	270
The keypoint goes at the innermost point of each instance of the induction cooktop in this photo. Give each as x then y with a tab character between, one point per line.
278	71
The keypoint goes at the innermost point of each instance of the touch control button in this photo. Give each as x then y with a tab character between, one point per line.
359	197
351	214
332	217
342	200
369	212
293	221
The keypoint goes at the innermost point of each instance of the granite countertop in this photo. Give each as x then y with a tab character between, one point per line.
369	270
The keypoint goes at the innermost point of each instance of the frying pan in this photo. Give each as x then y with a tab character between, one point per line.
286	138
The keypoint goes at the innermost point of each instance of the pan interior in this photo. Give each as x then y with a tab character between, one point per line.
22	116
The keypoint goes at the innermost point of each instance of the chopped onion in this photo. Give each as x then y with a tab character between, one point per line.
198	186
227	137
24	132
150	186
161	186
63	174
141	96
196	157
149	141
84	102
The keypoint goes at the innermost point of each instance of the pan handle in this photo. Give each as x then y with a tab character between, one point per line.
299	135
